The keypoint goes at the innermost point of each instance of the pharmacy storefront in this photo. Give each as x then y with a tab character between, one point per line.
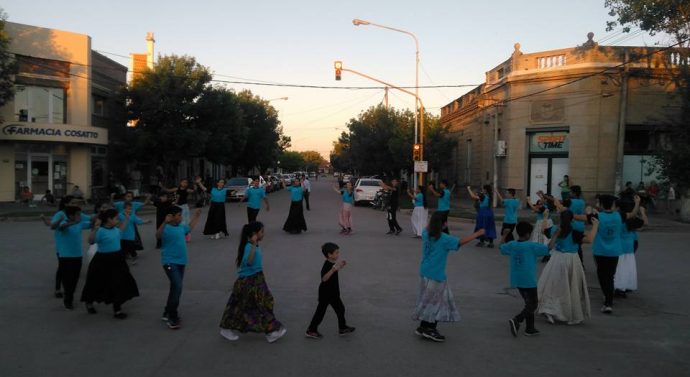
43	156
548	161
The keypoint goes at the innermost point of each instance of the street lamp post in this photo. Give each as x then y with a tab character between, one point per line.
417	139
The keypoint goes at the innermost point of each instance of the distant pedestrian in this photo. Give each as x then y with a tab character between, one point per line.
345	213
329	292
420	214
255	195
443	206
523	275
295	222
671	200
485	215
250	306
393	206
435	302
511	205
108	279
216	225
306	186
174	259
565	187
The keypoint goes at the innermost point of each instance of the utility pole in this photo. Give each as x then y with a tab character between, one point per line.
622	115
497	106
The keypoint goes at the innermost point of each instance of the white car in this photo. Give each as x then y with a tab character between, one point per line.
365	189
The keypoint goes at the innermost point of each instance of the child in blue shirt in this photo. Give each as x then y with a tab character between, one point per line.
174	258
511	206
435	300
70	251
255	195
523	275
443	204
128	243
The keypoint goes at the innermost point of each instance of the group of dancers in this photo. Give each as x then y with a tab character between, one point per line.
560	293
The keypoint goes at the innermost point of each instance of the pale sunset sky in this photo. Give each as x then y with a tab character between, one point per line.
296	42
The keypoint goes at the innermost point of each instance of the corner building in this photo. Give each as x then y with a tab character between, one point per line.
553	113
54	133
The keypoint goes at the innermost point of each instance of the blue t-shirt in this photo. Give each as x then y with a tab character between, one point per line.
296	193
566	244
254	196
70	239
173	244
435	255
120	206
218	195
510	210
607	242
61	216
347	196
484	201
523	262
256	266
129	234
577	207
108	239
419	200
444	201
628	238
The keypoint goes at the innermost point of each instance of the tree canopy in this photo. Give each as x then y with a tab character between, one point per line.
379	141
8	65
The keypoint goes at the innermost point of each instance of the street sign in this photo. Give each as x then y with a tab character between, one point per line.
421	166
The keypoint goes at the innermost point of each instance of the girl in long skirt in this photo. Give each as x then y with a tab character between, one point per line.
295	223
215	222
420	214
345	214
435	302
485	215
625	279
562	287
108	279
250	306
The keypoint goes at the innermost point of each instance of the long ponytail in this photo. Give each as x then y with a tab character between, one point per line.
247	231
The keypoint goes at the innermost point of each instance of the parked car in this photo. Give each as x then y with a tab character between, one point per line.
237	187
365	190
276	183
287	179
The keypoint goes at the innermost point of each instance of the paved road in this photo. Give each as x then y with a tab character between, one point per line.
648	335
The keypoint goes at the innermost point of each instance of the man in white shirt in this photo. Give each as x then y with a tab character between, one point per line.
306	186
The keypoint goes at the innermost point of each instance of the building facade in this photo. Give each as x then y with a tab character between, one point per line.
540	116
55	131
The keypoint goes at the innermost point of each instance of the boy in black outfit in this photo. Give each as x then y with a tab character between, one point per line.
329	292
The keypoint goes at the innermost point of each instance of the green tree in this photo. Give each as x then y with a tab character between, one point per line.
221	120
164	104
263	132
438	146
312	160
291	161
8	65
673	18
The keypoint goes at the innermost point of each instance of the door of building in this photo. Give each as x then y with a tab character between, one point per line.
39	175
538	177
559	168
548	162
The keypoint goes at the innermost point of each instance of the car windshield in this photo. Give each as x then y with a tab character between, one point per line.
238	182
368	183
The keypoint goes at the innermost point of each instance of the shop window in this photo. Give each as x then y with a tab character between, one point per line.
37	104
98	106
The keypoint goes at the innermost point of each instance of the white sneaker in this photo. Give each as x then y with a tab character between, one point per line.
228	334
275	335
606	309
550	319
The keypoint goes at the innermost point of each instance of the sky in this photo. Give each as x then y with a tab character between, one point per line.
297	42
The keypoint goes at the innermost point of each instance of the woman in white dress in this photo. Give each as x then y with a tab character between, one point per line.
420	214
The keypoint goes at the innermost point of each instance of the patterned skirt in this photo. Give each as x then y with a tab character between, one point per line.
250	307
435	302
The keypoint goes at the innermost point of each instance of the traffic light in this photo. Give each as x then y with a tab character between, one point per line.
338	69
417	152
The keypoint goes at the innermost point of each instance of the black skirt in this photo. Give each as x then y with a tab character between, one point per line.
215	222
108	280
295	222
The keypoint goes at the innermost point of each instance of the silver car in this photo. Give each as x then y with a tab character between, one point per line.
237	187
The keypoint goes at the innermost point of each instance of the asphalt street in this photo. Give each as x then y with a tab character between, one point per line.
647	335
